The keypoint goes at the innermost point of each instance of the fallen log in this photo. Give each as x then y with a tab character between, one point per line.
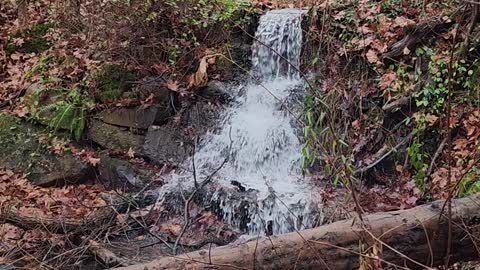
55	224
414	238
99	219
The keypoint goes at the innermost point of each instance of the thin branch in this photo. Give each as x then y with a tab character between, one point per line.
449	140
436	156
194	193
375	163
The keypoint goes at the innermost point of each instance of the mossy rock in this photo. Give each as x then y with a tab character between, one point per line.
114	137
22	151
34	40
120	174
111	82
54	108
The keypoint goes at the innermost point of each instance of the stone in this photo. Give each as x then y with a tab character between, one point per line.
152	86
44	105
215	91
114	137
22	151
166	144
111	83
34	89
136	117
173	142
118	174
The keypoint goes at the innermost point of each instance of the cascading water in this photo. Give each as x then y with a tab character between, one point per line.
259	137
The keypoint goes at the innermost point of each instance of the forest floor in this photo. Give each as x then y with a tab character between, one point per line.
400	80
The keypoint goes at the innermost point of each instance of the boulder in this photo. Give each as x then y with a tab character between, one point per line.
173	142
114	137
22	151
153	86
167	144
32	91
111	83
137	117
118	174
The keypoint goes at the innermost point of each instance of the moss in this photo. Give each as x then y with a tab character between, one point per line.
59	109
111	82
18	148
23	149
8	127
10	49
34	40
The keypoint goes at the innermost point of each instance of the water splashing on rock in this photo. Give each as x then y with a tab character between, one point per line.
260	189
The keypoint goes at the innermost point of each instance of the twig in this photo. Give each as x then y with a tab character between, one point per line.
454	188
197	189
435	156
449	140
152	234
440	148
472	2
373	164
255	251
317	253
473	21
358	207
105	255
397	103
430	249
193	165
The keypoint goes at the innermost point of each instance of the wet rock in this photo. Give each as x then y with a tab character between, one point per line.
215	92
137	117
115	138
167	144
118	174
21	151
241	54
173	142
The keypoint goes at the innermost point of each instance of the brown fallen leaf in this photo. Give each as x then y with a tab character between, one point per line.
93	161
173	86
402	21
387	80
200	78
372	56
160	68
130	153
431	119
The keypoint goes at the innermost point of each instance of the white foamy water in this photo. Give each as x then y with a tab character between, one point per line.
259	137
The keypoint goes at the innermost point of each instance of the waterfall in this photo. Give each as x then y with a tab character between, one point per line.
260	190
278	44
